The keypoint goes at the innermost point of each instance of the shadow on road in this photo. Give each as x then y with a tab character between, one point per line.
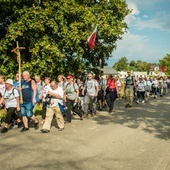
152	117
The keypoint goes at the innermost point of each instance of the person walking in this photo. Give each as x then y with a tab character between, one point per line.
111	93
71	95
129	89
91	88
55	99
29	100
12	104
140	86
43	97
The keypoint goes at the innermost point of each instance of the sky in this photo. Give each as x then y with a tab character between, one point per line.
148	36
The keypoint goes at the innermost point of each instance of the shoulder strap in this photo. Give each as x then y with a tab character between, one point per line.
13	92
73	86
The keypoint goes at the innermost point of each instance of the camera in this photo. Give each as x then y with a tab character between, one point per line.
48	98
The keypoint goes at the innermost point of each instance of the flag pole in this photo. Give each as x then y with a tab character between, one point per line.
17	52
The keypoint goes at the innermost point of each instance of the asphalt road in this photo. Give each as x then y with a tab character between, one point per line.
136	138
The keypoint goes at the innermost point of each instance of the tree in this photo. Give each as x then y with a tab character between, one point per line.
121	65
55	33
165	62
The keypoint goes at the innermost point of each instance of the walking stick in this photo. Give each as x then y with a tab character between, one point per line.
17	52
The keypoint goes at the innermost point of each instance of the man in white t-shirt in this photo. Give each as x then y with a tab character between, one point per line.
11	99
54	99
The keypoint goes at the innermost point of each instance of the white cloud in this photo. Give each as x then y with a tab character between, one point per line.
145	16
134	47
134	11
160	21
137	46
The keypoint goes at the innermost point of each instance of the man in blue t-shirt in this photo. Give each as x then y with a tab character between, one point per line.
28	88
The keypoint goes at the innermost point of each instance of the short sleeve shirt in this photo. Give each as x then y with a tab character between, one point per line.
91	87
10	98
55	101
71	90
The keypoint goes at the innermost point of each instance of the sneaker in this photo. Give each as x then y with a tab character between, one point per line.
24	129
110	113
60	129
45	130
143	101
85	115
67	122
36	125
137	101
4	130
127	105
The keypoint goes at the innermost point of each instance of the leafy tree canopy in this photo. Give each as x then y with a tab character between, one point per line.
55	34
123	65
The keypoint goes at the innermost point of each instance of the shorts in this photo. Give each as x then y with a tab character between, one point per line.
27	109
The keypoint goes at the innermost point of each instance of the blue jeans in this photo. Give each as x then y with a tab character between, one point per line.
27	109
155	90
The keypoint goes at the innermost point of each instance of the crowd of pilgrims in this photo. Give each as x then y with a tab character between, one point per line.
68	95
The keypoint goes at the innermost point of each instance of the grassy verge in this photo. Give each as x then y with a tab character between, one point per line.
37	112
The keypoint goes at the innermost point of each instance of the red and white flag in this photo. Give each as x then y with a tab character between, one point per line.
163	69
92	38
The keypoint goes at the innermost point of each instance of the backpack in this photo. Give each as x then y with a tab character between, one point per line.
107	89
85	85
73	86
132	81
12	91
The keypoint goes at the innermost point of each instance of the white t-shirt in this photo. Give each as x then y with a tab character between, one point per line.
54	101
155	83
2	88
91	87
141	86
10	97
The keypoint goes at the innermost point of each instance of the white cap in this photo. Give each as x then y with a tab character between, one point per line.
9	81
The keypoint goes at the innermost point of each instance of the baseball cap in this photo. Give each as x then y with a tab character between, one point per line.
9	81
69	76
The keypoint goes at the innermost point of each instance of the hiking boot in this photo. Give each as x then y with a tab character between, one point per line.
36	125
4	130
24	129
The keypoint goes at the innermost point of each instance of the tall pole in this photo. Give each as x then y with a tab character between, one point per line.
17	52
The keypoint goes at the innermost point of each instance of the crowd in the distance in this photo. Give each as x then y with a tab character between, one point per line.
68	95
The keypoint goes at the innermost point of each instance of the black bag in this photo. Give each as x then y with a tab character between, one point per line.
107	89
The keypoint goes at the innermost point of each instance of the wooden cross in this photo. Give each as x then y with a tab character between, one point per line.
17	52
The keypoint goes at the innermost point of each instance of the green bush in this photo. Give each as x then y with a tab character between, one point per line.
2	115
